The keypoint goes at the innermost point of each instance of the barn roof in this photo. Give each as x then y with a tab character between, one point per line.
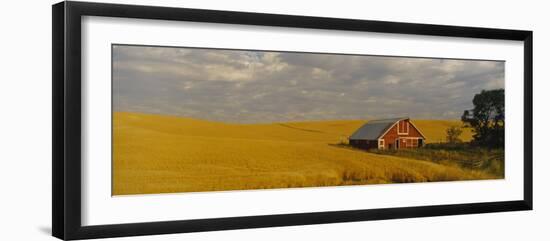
374	128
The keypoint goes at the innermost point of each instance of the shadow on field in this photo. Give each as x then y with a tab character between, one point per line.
348	147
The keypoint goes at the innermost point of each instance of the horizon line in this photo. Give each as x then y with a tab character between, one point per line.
272	122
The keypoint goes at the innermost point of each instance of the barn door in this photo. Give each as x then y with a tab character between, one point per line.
396	143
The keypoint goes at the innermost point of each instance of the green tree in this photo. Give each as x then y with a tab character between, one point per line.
453	134
487	118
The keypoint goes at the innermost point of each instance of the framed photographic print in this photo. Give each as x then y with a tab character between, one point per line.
170	120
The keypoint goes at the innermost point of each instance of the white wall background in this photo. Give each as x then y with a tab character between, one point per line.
25	123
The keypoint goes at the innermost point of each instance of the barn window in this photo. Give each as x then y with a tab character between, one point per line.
403	127
381	144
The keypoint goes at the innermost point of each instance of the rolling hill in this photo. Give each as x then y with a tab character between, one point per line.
163	154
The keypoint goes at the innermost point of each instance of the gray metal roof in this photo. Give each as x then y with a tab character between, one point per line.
374	128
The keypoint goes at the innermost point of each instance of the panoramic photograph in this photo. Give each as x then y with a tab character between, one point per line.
201	119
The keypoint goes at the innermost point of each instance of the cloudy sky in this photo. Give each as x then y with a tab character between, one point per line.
261	86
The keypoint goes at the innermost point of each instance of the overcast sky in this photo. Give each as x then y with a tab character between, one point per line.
262	86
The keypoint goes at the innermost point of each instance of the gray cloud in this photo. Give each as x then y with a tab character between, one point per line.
262	86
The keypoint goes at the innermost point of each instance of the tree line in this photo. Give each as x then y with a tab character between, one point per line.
486	120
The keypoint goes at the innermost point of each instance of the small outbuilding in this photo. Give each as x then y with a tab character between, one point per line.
395	133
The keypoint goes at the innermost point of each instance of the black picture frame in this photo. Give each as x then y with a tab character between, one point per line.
66	76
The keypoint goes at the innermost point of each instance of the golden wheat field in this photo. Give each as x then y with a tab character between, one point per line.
163	154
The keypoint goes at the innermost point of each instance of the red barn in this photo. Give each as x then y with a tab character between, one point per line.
396	133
